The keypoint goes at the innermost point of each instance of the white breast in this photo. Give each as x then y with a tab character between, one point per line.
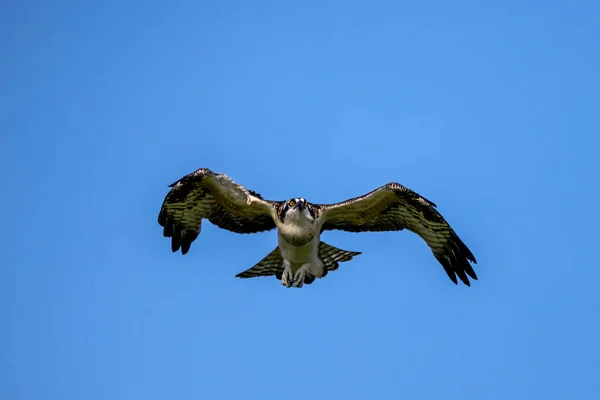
298	239
299	254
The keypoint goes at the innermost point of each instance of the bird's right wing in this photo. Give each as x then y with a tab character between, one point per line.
216	197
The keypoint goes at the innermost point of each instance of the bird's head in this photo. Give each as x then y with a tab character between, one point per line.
298	208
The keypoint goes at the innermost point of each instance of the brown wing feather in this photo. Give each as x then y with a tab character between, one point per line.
393	207
204	194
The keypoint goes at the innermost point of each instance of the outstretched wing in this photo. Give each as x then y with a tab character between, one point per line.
205	194
393	207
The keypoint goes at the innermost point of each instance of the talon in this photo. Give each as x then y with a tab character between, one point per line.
287	279
299	277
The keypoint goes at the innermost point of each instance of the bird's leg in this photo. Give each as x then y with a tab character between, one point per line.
300	275
287	278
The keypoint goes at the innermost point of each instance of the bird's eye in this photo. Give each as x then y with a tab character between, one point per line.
292	202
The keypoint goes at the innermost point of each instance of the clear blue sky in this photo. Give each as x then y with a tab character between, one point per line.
488	109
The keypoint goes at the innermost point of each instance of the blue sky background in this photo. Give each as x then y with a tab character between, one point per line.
488	109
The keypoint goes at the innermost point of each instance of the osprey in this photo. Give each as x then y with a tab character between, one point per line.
301	256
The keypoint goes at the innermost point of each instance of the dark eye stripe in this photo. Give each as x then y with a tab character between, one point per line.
310	210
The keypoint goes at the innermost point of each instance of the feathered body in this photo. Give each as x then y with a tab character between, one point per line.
301	256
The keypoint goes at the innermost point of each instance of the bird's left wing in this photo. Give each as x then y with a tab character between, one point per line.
393	207
216	197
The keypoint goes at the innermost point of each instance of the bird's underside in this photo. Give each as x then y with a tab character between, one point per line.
301	256
298	274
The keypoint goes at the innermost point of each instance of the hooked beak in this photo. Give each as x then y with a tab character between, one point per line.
300	205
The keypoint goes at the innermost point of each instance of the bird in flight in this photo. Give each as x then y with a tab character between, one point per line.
301	255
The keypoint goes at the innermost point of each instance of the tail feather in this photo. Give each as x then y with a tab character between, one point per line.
332	256
272	264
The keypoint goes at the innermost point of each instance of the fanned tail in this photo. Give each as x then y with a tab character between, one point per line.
332	256
272	264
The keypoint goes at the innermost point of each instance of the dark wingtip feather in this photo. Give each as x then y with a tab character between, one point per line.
447	267
179	239
186	241
456	258
185	247
167	224
168	230
462	276
469	270
163	216
467	253
456	263
176	240
463	249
